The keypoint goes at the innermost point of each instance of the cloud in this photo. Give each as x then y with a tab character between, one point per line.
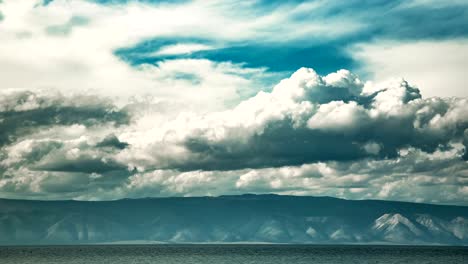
434	4
414	176
112	141
338	116
44	134
185	48
65	29
73	44
106	100
24	112
322	135
418	61
306	118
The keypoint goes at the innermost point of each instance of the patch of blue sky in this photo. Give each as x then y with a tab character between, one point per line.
148	47
407	19
384	19
413	23
390	20
280	60
325	58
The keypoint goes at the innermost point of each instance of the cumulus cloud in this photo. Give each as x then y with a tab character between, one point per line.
185	125
321	135
48	134
306	118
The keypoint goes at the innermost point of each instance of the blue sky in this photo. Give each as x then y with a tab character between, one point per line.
111	99
390	20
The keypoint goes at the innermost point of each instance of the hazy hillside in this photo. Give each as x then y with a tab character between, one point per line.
246	218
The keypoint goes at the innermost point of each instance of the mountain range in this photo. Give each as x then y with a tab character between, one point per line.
232	219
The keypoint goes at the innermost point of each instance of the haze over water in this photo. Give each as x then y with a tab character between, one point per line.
219	254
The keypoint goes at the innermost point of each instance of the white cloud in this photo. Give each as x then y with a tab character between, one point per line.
339	116
438	68
303	119
371	146
406	178
82	58
183	48
185	127
433	3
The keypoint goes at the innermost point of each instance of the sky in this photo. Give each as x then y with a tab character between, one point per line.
112	99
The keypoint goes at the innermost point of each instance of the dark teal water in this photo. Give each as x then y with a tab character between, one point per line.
242	254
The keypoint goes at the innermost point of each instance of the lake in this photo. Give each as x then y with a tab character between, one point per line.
243	254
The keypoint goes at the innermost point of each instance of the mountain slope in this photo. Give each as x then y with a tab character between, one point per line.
244	218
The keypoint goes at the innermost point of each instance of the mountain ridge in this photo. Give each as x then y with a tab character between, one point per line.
232	219
246	195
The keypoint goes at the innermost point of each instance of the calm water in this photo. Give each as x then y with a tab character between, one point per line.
242	254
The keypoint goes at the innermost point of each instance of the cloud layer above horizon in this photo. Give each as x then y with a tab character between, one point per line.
116	99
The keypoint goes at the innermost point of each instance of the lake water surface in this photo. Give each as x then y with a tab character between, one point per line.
242	254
